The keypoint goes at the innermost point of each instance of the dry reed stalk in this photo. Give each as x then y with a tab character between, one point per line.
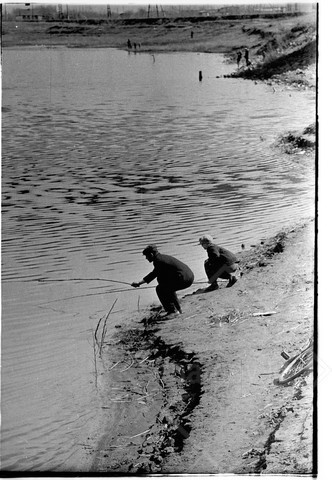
120	401
142	433
95	359
121	446
263	314
117	363
95	336
127	368
142	361
104	327
158	378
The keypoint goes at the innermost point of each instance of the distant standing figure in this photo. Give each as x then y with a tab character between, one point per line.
238	59
246	56
192	34
221	263
129	43
134	46
172	275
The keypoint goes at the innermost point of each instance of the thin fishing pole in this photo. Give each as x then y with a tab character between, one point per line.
93	294
49	280
46	280
81	279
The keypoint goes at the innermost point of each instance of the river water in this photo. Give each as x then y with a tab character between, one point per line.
104	152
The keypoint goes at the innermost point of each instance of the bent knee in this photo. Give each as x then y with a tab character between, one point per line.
232	268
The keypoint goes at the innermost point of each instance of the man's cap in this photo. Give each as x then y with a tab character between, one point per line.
205	238
150	249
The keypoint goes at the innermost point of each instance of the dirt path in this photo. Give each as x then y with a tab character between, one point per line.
218	408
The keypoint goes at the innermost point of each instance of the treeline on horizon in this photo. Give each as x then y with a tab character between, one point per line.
76	12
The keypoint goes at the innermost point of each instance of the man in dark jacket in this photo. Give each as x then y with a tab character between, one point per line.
171	274
221	263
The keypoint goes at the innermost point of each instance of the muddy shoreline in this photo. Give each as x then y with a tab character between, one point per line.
208	399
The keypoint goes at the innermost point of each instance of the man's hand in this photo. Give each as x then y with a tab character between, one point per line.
135	284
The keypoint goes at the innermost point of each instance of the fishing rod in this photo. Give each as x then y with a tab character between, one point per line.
93	294
45	280
103	293
49	280
91	280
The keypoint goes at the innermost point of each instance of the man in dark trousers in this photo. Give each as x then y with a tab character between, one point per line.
238	59
221	263
171	274
246	57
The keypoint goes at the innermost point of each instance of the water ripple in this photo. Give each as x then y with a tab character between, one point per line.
98	163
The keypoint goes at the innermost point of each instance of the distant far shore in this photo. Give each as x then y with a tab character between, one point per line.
279	45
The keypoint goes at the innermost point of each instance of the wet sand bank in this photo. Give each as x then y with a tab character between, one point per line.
206	400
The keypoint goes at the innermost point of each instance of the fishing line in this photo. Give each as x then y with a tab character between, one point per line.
50	280
100	293
103	293
93	294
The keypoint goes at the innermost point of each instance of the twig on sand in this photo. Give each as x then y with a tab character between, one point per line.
137	393
191	316
119	400
289	329
146	387
159	379
263	314
244	320
127	368
117	363
142	361
120	446
142	433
